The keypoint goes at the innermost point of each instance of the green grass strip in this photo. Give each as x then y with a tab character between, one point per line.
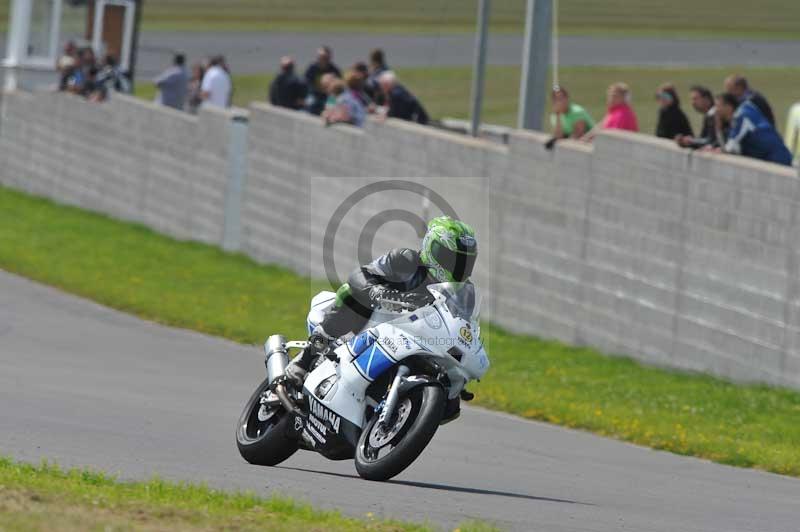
736	19
47	497
199	287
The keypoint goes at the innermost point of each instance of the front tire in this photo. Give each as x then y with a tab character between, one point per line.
419	414
261	436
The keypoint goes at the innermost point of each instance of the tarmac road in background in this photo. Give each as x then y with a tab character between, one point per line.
88	386
255	53
259	52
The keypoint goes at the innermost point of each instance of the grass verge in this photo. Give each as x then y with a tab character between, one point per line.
727	18
199	287
47	497
712	18
446	91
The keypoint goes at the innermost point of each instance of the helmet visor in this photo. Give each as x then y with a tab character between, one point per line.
458	263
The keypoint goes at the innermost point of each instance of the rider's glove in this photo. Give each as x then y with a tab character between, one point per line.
376	293
407	299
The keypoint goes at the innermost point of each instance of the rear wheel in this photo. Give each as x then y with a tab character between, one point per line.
384	452
261	432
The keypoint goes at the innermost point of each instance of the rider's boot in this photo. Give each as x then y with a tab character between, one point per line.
296	371
452	409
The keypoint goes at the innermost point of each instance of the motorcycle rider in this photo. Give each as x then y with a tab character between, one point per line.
448	254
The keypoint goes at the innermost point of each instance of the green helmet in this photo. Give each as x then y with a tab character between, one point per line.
449	250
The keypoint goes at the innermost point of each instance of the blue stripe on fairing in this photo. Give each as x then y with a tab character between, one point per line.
361	342
374	362
311	327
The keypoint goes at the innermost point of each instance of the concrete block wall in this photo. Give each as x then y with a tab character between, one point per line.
299	172
127	158
630	245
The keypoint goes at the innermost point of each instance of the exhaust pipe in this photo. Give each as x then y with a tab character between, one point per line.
277	358
283	395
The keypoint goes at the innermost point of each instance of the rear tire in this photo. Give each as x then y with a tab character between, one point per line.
427	407
264	442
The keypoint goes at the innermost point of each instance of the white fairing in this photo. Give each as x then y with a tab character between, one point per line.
446	332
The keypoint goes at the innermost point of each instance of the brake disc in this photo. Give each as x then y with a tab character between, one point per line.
380	436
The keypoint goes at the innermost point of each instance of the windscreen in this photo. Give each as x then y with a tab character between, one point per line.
461	299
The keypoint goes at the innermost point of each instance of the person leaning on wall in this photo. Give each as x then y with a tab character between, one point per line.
751	133
738	85
568	120
672	121
619	112
703	102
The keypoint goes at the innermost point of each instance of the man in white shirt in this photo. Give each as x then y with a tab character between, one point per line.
216	86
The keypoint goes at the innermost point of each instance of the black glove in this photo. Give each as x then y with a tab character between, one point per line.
408	300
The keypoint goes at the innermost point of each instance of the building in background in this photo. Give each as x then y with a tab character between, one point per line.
37	29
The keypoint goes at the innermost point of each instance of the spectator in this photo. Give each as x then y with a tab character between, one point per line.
672	121
568	120
89	59
365	92
329	82
739	87
703	103
112	77
173	84
78	76
751	134
401	103
195	91
93	90
792	136
619	114
323	65
349	106
287	90
67	59
334	87
216	87
377	63
377	66
66	64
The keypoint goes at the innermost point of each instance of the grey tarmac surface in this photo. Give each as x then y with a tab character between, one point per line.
256	52
259	52
89	386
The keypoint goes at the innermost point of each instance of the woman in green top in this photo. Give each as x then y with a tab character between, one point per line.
569	120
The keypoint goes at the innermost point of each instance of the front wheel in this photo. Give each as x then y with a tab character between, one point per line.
261	432
384	452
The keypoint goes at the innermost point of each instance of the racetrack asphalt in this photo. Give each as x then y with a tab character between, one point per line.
88	386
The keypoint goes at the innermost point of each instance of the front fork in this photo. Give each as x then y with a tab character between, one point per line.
390	405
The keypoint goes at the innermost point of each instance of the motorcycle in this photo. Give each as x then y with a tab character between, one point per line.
377	397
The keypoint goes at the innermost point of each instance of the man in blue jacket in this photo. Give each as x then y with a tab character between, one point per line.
750	134
400	102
